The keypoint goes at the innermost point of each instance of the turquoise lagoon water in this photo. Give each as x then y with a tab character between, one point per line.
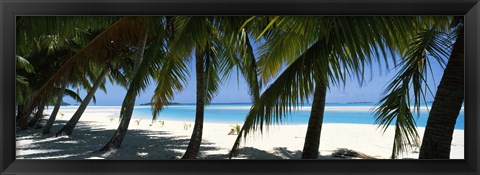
358	113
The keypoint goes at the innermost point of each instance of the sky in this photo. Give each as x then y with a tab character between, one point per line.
235	89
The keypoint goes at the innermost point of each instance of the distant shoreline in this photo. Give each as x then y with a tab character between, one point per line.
233	103
349	113
243	103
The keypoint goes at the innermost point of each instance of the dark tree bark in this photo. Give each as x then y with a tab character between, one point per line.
117	139
36	118
312	138
128	105
446	107
196	139
51	119
24	114
68	128
20	109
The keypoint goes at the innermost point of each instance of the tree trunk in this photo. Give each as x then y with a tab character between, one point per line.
20	109
68	128
196	139
446	107
126	115
312	139
51	119
127	106
37	116
23	114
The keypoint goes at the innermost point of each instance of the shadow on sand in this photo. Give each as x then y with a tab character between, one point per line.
85	139
88	137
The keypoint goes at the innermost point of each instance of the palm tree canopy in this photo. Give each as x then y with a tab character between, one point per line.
430	42
352	43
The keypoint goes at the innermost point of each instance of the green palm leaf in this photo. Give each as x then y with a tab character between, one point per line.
98	51
288	92
395	105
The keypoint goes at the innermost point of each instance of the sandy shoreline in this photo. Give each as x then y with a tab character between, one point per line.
170	140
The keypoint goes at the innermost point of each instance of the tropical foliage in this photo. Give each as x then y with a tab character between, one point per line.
299	59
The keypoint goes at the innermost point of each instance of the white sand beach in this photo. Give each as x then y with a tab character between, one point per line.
170	140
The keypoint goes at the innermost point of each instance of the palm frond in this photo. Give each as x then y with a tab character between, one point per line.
238	51
98	51
190	32
170	79
22	63
170	72
52	31
22	89
287	92
212	69
73	94
396	104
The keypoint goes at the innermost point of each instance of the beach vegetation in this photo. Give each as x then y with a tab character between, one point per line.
432	42
216	51
299	59
447	103
317	57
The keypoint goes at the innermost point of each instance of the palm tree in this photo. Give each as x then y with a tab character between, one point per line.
51	119
428	42
218	46
116	57
51	33
319	51
129	100
46	61
150	62
70	125
198	34
102	51
447	104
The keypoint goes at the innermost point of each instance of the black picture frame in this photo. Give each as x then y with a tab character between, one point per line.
11	8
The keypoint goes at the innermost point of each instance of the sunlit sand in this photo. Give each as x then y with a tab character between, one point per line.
145	140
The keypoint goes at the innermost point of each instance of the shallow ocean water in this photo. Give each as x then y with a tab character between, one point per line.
236	113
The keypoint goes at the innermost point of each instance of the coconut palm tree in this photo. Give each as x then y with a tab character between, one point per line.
319	52
52	32
67	129
430	43
102	51
447	103
218	45
46	61
150	59
51	119
57	58
129	100
200	35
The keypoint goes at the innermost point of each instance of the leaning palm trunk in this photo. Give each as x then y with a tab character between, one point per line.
51	119
119	135
312	139
446	106
36	118
68	128
128	105
196	139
